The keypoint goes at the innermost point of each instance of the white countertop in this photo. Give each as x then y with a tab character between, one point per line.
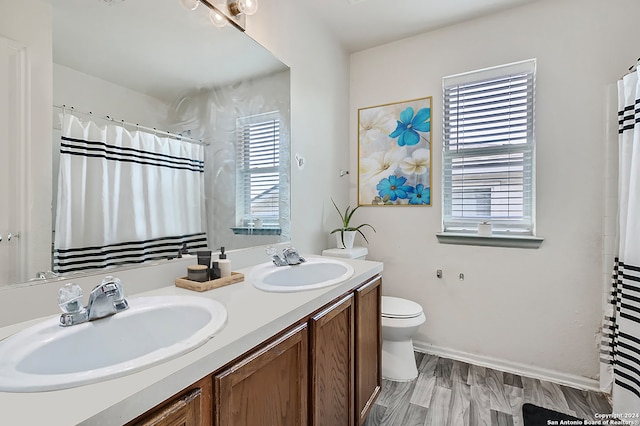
253	316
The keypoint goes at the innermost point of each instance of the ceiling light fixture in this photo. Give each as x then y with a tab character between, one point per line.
223	12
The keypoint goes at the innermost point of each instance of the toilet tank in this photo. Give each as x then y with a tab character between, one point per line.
352	253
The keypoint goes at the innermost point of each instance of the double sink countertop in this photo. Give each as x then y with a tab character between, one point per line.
253	317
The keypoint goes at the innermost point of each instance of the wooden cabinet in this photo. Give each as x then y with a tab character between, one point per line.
323	370
368	347
268	387
191	407
332	365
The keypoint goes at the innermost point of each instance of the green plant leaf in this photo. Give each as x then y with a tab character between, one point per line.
346	219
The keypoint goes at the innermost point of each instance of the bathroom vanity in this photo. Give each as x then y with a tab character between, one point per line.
301	358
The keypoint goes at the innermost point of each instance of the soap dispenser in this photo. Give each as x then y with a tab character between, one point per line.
224	264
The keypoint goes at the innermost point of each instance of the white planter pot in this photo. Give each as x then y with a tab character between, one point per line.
348	237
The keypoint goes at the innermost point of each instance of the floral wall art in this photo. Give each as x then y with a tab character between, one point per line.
394	154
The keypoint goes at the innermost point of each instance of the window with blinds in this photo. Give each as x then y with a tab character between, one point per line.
488	150
259	168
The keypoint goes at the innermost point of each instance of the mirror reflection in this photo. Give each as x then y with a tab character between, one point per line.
169	133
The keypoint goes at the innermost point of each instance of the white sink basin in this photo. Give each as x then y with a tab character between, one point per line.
316	272
47	356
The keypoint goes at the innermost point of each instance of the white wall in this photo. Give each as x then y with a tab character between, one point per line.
29	23
88	93
538	309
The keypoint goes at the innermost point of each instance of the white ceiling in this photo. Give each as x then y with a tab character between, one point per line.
361	24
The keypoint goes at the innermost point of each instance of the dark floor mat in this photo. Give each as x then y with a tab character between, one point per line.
538	416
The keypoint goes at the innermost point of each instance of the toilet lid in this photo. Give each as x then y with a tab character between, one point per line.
396	307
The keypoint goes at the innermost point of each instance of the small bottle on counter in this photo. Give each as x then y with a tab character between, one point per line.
224	264
215	271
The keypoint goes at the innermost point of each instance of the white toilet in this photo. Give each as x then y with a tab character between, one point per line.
401	319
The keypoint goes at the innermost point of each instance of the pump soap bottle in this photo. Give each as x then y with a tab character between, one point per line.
224	264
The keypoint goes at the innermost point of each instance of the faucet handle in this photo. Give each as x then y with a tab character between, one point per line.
275	257
114	286
70	298
270	251
112	280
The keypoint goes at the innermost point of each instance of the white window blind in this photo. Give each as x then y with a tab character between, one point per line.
488	152
259	171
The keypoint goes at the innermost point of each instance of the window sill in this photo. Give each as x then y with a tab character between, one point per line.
498	240
243	230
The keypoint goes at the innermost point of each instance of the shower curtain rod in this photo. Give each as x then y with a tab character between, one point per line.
125	123
634	67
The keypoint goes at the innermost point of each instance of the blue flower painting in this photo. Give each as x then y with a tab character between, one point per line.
420	195
394	154
409	125
393	188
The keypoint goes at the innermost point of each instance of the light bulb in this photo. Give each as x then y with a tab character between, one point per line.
190	4
249	7
217	19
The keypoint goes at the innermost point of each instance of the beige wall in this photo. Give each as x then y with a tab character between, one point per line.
536	309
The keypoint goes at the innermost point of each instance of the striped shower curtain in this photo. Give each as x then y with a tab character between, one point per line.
620	351
125	197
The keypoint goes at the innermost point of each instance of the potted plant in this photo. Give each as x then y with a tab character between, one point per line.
347	231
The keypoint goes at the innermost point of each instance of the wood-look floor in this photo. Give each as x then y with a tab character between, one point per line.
453	393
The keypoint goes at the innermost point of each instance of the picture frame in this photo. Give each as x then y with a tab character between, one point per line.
394	154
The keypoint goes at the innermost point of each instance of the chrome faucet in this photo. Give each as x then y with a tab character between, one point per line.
292	257
104	300
289	256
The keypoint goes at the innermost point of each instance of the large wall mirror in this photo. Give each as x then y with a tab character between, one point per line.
152	66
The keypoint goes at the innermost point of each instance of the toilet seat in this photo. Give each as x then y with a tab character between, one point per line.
396	307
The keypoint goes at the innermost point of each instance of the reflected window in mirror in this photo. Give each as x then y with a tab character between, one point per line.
258	198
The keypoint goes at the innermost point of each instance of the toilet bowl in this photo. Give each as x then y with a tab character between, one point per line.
401	319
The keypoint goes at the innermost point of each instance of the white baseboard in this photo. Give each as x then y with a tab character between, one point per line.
534	372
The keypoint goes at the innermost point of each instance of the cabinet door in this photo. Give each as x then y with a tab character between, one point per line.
190	409
268	387
368	346
332	394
